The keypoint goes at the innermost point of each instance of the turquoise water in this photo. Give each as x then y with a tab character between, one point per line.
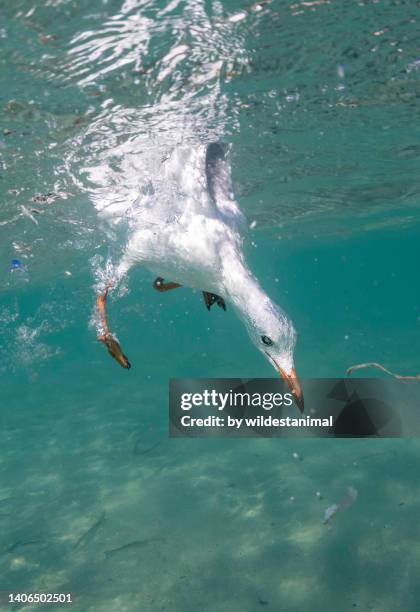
320	104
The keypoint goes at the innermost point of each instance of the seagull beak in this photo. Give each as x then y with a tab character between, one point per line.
292	382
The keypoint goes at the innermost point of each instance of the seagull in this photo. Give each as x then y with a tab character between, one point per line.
193	238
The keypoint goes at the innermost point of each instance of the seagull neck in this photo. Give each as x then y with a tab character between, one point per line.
243	288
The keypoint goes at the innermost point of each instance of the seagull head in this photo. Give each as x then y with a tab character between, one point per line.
268	326
273	334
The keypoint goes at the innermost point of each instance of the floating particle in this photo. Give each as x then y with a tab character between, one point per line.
15	264
238	17
253	224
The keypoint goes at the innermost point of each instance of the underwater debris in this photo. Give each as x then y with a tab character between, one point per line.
18	273
378	366
347	500
91	532
50	197
44	198
16	264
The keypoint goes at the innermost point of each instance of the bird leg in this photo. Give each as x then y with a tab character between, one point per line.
100	304
110	342
212	298
160	285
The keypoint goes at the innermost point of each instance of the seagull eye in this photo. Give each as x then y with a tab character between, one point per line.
266	340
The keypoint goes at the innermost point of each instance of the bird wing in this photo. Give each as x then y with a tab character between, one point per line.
219	183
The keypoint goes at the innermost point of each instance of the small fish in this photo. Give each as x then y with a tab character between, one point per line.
138	450
91	532
21	544
329	512
374	455
347	500
130	546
